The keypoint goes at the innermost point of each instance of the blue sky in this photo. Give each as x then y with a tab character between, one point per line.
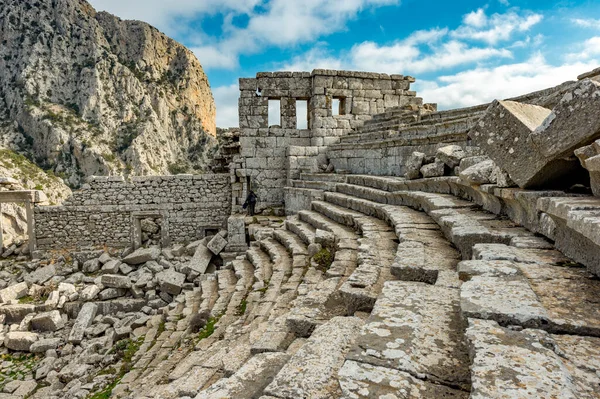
461	52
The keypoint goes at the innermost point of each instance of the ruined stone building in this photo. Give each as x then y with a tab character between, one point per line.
402	252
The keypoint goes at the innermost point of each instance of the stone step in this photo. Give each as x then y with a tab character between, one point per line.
291	241
376	253
312	371
530	288
319	221
210	293
417	329
365	381
316	307
531	363
314	185
302	229
263	268
281	260
227	282
250	380
328	177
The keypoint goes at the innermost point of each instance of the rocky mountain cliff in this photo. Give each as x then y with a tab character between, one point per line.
86	93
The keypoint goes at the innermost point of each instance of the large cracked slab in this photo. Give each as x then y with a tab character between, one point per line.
505	299
416	328
312	370
365	381
421	261
529	364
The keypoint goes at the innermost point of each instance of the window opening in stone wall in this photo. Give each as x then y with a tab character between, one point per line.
274	112
338	106
301	114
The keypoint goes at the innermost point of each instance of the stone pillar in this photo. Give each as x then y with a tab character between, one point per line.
236	234
30	226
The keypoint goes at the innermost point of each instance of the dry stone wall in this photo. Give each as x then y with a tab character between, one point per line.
104	212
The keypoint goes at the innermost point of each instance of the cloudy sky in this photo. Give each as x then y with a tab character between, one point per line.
462	52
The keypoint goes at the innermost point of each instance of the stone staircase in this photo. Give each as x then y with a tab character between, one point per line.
429	295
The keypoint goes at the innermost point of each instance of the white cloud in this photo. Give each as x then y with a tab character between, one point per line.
481	85
402	58
316	58
496	28
212	57
477	18
226	101
279	23
586	50
164	14
587	23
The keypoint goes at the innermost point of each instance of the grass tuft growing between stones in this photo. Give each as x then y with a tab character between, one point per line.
125	350
323	259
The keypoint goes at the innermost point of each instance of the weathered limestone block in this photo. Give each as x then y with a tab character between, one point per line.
503	134
365	381
41	275
423	322
505	299
480	173
20	341
142	255
84	320
574	122
413	165
554	366
451	155
170	281
15	291
199	262
217	244
434	169
311	372
250	379
43	345
115	281
16	313
48	321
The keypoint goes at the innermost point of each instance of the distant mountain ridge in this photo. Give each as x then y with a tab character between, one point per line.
85	93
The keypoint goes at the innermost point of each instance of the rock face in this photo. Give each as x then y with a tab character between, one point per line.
85	93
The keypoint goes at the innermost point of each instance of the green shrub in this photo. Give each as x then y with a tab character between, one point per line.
323	259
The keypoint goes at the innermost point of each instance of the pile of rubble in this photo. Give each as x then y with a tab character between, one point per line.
80	314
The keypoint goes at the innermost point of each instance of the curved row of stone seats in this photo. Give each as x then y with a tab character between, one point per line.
520	283
264	366
376	251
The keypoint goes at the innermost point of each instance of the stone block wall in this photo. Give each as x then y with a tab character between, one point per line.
104	211
261	164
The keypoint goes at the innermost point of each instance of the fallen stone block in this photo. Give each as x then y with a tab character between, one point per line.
111	266
199	262
15	291
16	313
48	321
503	133
42	345
20	341
574	122
142	255
435	169
115	281
170	281
217	244
451	155
41	275
480	173
84	320
413	165
90	292
91	266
